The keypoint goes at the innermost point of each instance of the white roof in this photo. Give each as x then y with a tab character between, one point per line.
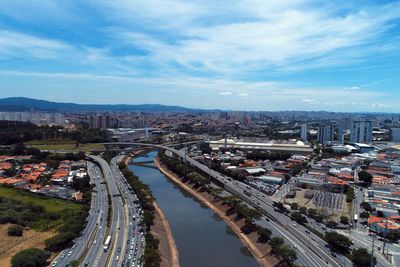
254	170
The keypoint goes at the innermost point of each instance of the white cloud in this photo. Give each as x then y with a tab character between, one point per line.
225	93
243	94
353	88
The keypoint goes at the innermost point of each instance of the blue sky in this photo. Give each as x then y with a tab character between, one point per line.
243	54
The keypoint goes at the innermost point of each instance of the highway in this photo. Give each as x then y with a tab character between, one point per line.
132	246
96	222
101	256
310	247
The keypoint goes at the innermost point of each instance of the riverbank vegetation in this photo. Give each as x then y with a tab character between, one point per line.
151	256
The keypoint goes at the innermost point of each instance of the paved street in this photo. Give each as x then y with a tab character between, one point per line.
96	223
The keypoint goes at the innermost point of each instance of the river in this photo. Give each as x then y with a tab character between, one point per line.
202	238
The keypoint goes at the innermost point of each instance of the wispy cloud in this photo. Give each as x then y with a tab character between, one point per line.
225	93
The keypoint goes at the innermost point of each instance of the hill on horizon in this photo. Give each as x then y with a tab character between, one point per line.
26	104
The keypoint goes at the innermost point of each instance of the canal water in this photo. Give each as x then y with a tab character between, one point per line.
202	238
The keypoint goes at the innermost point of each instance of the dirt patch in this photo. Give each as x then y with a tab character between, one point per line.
10	245
161	230
261	251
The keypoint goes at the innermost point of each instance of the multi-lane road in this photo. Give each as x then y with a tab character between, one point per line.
127	240
96	222
126	244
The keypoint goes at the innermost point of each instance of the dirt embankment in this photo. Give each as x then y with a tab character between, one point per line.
161	230
261	251
10	245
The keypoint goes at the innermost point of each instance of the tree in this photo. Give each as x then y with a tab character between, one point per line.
232	200
303	210
364	215
361	257
366	206
380	213
287	253
393	236
15	230
275	243
294	206
332	224
350	194
344	220
215	191
299	218
32	257
264	234
338	241
365	177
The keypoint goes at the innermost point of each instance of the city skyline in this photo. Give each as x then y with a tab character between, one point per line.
291	55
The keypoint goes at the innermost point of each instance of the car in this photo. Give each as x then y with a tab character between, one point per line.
95	241
74	246
294	225
119	249
86	263
62	256
307	232
54	263
69	253
117	258
333	254
313	238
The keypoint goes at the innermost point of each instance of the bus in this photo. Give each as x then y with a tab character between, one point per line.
107	243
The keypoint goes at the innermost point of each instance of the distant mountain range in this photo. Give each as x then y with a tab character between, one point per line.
25	104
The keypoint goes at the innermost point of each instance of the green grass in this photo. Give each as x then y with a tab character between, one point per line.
51	141
49	204
64	145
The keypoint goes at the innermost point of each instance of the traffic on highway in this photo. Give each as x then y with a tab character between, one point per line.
113	235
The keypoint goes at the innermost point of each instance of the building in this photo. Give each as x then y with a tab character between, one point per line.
298	148
361	132
271	180
394	135
100	122
304	132
326	134
344	125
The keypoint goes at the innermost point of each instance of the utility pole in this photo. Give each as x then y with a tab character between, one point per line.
372	251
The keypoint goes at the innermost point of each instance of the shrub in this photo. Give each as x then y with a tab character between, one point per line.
15	230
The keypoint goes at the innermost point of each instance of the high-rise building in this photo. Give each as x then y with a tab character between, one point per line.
361	132
394	135
343	126
100	121
304	132
325	133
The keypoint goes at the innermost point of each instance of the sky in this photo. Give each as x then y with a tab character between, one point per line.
236	55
